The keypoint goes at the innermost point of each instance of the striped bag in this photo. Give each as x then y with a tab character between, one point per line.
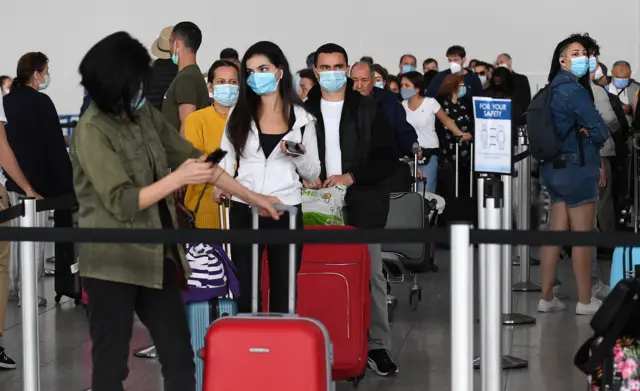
213	275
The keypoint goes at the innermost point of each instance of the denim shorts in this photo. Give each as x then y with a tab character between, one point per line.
574	185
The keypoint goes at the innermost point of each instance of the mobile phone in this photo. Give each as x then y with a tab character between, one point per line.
216	156
293	148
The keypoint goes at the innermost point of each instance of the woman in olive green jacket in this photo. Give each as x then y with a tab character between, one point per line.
121	152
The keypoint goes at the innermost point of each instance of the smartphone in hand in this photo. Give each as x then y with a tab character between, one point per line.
216	156
293	148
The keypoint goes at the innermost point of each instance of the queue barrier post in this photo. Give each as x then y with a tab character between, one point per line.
524	216
461	308
29	299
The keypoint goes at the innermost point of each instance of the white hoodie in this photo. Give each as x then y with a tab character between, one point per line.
278	175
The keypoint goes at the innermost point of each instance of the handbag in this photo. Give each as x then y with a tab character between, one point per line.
187	218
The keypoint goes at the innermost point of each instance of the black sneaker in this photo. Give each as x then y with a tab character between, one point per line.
381	363
5	361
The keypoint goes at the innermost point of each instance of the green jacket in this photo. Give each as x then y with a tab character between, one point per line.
113	159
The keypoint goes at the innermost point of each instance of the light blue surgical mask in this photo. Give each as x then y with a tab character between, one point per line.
225	94
380	84
263	83
407	94
593	64
620	83
333	81
579	66
462	92
408	68
138	102
174	59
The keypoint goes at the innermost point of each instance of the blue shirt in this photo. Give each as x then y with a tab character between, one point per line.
572	107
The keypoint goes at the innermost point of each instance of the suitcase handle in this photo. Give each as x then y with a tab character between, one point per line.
255	288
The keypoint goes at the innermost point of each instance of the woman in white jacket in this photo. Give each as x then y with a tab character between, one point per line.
268	113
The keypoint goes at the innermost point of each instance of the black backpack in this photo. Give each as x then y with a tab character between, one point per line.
543	142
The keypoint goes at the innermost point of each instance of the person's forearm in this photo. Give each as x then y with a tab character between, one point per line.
154	193
228	184
10	164
453	128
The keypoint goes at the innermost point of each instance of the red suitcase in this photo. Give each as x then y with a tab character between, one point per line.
268	353
334	288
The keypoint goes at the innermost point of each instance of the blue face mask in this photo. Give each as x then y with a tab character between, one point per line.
380	84
225	94
138	102
408	68
593	64
263	83
407	94
174	59
620	83
462	92
333	81
579	66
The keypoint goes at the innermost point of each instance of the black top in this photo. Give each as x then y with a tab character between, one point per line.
35	135
460	115
162	74
269	142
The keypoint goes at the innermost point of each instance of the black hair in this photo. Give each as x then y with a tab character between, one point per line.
621	62
429	61
555	68
505	88
329	48
189	34
308	74
456	50
481	64
229	54
428	77
604	68
219	64
112	72
410	56
593	49
475	60
377	68
4	78
311	60
416	78
29	63
367	59
248	105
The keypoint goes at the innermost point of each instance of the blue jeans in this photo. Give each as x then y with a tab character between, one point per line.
429	171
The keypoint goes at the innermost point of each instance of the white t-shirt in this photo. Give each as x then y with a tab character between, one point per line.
331	114
423	120
3	119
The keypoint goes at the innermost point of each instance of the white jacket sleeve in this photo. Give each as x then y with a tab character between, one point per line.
308	165
229	161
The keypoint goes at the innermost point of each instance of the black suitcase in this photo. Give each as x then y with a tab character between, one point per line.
459	193
67	279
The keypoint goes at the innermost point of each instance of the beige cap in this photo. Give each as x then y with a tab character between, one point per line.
160	47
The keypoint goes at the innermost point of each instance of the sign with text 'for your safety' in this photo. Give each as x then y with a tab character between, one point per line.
492	141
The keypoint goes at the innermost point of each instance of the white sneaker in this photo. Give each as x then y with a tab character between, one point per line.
588	309
559	292
551	306
600	290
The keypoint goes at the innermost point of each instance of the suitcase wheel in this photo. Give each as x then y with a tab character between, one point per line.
58	298
433	269
414	298
77	301
356	380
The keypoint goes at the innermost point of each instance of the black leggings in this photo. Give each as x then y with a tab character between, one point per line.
278	255
111	309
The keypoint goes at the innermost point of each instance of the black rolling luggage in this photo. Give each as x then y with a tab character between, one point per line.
67	279
459	184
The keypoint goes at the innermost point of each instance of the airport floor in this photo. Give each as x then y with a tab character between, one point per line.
421	344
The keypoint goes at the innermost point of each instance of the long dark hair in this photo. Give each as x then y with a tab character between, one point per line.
29	63
113	71
247	108
560	49
501	83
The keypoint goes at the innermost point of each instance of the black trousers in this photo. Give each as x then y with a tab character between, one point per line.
278	255
111	311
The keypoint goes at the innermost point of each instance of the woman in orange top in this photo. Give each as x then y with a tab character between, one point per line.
204	129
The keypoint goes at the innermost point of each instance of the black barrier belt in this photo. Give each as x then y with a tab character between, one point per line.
71	124
12	213
440	235
521	156
68	201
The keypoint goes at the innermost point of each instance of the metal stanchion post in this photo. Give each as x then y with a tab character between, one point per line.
509	317
490	302
461	308
29	289
524	218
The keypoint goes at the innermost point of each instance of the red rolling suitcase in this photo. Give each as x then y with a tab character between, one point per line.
268	352
334	288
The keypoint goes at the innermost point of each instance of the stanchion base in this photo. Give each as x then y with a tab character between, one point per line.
146	352
49	273
51	260
517	319
515	261
508	362
528	286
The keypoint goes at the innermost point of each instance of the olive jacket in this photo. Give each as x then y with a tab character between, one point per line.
113	159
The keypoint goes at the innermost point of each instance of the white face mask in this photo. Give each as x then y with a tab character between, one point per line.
483	80
45	84
504	65
455	67
598	75
6	91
